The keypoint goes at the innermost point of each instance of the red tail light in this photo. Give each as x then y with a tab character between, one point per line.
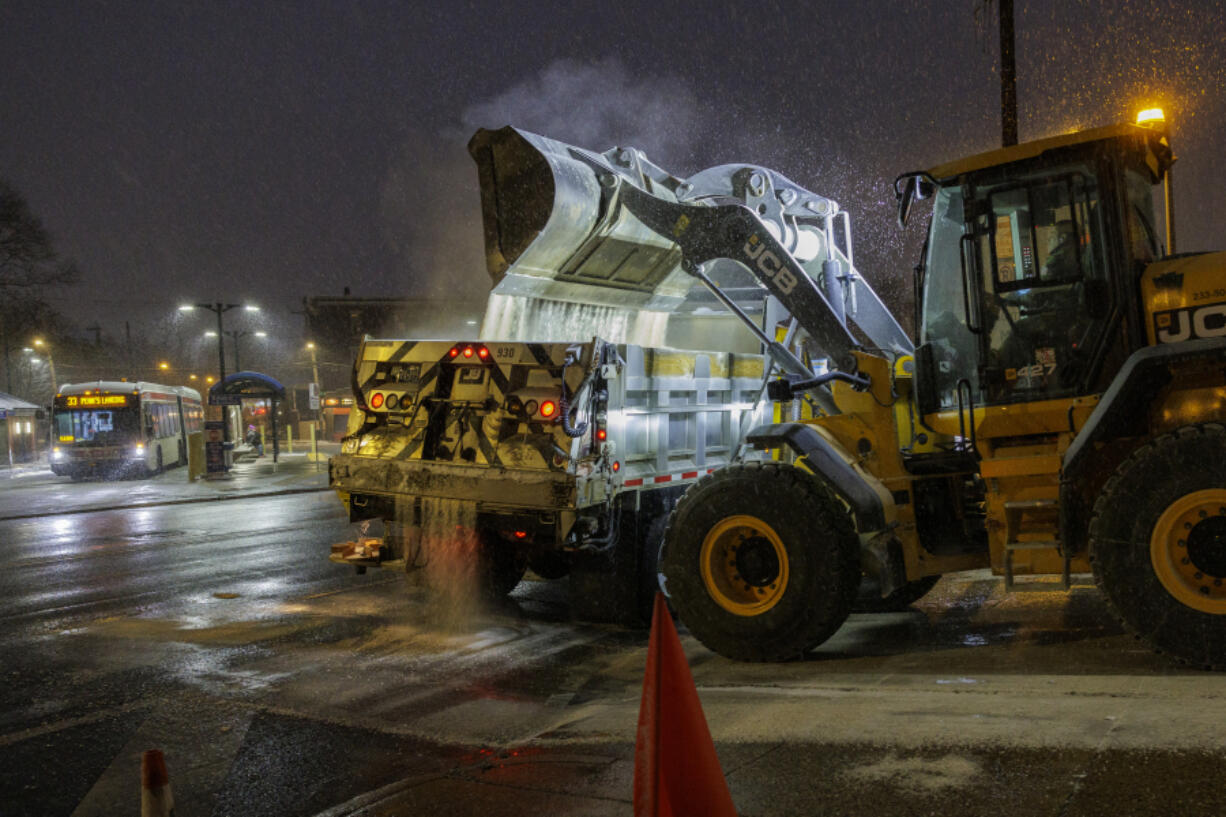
376	400
521	534
483	353
548	408
468	351
454	352
601	434
617	466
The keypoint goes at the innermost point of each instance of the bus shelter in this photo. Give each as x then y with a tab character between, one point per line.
242	386
19	423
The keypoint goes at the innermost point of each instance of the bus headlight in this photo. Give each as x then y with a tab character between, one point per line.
56	453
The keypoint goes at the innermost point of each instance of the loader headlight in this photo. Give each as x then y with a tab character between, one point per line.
56	453
138	450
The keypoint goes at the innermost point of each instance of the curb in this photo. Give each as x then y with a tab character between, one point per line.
139	505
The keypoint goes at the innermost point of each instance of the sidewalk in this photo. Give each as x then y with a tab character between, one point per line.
35	491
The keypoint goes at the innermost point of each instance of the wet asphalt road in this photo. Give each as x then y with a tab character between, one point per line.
280	684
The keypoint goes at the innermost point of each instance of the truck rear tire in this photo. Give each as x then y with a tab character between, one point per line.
761	561
499	567
1158	544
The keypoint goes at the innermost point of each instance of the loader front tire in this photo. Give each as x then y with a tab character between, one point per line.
761	562
1158	544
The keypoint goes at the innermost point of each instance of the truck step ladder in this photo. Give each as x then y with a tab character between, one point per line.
1034	517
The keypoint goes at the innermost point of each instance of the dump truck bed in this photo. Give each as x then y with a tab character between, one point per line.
484	423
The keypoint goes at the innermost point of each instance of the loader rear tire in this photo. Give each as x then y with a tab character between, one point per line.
761	562
1158	544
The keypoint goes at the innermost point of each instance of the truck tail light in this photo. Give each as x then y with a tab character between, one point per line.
482	352
468	351
601	434
376	400
454	352
548	408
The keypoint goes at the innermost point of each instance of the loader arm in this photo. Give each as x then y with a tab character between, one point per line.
733	232
614	229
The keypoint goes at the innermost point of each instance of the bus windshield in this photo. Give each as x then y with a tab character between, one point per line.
103	426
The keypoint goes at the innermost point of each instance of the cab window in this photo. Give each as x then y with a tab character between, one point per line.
1039	243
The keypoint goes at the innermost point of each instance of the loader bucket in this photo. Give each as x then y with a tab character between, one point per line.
553	230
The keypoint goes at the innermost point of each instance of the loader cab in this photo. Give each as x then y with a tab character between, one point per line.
1028	288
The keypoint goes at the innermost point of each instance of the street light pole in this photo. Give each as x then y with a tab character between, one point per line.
46	347
314	367
235	336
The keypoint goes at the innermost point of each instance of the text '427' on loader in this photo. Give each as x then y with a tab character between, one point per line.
1060	413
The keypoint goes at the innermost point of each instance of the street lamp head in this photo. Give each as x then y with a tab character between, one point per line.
310	344
191	377
261	334
186	308
28	350
251	308
39	342
163	365
210	334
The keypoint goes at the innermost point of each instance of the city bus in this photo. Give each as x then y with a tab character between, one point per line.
115	429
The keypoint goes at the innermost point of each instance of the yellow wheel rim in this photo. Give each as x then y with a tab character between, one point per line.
1188	550
744	565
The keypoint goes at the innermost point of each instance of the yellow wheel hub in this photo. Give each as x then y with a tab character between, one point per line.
1188	550
744	565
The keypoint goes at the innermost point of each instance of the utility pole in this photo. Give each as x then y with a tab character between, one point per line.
8	370
1008	77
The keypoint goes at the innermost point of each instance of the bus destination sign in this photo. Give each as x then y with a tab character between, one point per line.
83	400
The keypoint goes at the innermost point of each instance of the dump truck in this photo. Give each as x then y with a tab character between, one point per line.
1060	413
567	456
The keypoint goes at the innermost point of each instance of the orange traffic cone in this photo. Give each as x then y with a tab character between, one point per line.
676	770
155	797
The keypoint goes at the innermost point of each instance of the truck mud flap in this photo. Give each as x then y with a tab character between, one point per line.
617	585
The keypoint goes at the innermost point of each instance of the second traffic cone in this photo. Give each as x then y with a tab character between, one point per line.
155	797
676	770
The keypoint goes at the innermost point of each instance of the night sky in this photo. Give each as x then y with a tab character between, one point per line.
269	151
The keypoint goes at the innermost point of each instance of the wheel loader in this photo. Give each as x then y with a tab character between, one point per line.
1060	412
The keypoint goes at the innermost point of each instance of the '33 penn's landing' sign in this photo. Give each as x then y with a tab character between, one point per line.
1190	322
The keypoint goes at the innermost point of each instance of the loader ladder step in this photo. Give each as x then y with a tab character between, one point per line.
1043	516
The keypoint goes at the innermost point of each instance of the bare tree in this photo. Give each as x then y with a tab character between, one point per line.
28	265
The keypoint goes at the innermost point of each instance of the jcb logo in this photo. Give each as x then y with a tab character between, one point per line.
770	264
1177	325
